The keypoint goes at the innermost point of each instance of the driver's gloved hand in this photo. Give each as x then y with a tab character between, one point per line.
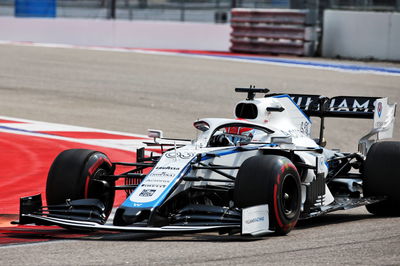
220	140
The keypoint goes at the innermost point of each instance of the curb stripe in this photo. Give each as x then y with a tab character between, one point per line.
332	66
88	135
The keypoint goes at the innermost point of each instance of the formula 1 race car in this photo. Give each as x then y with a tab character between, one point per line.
260	172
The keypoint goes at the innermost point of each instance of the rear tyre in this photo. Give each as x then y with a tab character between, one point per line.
271	180
382	177
77	174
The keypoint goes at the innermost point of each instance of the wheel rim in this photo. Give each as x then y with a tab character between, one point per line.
289	197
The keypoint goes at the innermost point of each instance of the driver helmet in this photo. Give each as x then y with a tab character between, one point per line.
245	131
238	130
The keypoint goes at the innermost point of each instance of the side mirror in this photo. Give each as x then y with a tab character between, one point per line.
154	133
201	125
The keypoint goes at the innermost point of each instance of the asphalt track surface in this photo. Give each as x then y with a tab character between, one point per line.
132	92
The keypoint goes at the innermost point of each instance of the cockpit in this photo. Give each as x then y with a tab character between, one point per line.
233	133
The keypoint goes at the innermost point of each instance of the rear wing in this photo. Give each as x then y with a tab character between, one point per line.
376	108
339	106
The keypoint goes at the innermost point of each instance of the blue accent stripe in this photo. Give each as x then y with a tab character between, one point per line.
345	67
28	131
157	202
235	149
24	130
285	95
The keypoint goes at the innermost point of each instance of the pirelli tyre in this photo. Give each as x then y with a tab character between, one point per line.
271	180
76	174
382	177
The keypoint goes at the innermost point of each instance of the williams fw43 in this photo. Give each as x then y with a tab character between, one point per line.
257	173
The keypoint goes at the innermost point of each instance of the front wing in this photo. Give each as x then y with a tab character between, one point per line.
140	229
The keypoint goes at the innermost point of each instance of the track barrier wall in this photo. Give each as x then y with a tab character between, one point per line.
273	31
120	33
347	34
361	35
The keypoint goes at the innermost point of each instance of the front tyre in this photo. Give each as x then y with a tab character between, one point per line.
77	174
382	177
272	180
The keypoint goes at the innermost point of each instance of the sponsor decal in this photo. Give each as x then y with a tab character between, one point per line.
147	192
159	181
384	118
179	154
254	220
305	128
153	186
167	168
340	103
162	174
380	108
352	105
